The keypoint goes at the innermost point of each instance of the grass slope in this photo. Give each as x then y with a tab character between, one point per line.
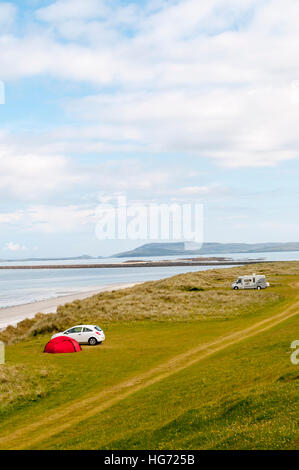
241	397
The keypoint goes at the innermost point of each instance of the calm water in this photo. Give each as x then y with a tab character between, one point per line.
24	286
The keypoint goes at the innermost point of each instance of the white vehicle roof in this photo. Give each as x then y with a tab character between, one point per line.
81	326
252	275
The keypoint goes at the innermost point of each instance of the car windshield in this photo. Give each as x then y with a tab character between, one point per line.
97	328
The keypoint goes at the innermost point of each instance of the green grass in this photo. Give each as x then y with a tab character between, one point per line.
243	397
246	398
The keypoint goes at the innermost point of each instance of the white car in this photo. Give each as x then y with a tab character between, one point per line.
84	334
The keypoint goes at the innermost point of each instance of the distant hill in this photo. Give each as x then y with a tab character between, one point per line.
74	258
181	248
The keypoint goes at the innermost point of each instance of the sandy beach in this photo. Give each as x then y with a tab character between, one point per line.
13	315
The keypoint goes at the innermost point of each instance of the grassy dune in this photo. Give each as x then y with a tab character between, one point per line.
192	296
244	396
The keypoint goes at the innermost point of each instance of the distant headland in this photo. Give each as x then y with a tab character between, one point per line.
186	248
177	249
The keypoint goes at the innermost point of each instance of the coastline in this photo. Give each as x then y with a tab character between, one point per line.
15	314
140	264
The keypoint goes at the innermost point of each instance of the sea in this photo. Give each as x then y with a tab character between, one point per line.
18	287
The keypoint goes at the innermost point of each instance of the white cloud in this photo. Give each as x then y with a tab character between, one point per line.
126	175
172	45
213	79
211	191
62	10
50	219
11	217
11	246
251	127
7	15
34	167
60	219
32	175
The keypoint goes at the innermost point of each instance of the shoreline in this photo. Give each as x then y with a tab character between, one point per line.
10	316
140	264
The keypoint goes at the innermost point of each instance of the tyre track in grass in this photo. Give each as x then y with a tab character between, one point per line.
64	417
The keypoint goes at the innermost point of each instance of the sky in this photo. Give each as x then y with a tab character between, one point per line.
182	101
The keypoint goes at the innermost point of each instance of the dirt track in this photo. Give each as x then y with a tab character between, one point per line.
79	410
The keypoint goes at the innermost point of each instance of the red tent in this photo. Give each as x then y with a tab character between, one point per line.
62	344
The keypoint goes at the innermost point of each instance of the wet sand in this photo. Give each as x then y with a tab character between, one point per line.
13	315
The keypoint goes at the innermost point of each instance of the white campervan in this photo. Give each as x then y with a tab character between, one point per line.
255	281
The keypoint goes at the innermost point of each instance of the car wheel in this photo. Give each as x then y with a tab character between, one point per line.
258	287
92	341
236	288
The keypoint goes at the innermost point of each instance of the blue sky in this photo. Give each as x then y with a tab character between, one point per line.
187	101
